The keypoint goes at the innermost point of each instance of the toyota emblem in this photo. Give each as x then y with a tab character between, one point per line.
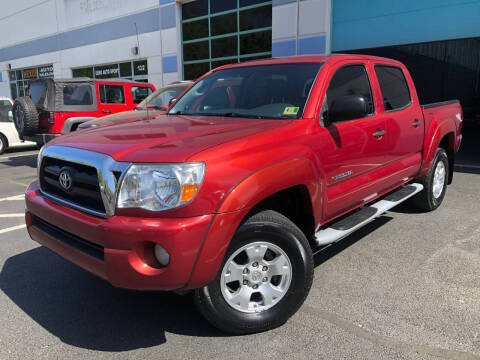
66	180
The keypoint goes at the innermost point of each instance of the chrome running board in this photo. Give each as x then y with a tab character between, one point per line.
347	225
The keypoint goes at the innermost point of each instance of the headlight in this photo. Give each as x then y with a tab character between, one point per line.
160	187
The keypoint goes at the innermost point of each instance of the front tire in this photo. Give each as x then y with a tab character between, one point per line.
265	277
3	144
434	183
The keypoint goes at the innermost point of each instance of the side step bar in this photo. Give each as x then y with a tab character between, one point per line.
344	227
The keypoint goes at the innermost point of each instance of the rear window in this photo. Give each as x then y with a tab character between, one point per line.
38	91
393	84
139	93
77	95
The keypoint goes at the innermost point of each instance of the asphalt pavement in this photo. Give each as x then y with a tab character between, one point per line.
407	286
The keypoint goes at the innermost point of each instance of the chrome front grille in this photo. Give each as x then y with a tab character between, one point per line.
93	177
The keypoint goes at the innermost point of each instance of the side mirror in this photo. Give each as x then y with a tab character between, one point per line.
347	108
172	100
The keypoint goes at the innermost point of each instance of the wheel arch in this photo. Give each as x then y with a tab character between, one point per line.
260	191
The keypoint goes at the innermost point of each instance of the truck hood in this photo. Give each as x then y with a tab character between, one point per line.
122	118
164	138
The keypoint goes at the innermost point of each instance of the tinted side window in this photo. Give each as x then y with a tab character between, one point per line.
139	93
394	87
112	94
350	80
77	95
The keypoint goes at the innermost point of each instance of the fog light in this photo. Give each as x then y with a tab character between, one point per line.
161	255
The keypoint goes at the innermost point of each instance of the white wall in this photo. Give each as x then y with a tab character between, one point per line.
78	13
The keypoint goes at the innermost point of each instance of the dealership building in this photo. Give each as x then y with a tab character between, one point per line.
161	41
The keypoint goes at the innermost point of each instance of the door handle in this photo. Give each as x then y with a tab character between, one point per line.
379	134
106	111
416	123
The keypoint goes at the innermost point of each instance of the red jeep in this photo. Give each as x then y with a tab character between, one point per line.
251	170
54	107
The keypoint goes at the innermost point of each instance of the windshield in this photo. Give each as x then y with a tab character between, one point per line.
160	99
277	91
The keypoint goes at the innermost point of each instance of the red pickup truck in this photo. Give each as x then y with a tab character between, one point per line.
251	170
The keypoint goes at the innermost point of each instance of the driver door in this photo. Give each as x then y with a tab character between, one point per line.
352	151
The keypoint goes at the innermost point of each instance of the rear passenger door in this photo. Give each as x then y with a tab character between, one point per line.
403	117
112	98
351	151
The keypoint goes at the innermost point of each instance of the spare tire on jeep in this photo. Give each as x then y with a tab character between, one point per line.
25	116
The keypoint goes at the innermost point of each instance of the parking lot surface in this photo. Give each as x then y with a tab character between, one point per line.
404	287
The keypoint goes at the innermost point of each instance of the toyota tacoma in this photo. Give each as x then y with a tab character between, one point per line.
250	171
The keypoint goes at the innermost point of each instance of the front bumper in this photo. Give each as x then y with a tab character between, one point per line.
114	248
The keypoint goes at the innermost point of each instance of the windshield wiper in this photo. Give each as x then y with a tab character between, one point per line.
240	115
179	112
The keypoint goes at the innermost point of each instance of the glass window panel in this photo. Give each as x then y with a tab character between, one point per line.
224	47
112	94
126	69
76	94
350	80
195	51
223	62
256	42
223	24
19	75
140	67
194	9
38	92
21	90
12	76
250	2
195	29
222	5
194	71
256	18
84	72
394	87
139	93
13	90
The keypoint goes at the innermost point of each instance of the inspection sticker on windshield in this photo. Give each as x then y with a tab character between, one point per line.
291	110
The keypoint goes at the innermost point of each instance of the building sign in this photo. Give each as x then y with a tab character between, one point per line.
45	71
30	73
136	70
140	67
106	71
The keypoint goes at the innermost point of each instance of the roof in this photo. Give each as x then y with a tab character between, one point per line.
87	79
305	59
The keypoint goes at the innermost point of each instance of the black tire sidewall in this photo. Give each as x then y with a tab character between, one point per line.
30	116
215	306
3	144
441	155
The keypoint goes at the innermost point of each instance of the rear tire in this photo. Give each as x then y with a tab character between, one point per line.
434	183
270	261
3	144
25	116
